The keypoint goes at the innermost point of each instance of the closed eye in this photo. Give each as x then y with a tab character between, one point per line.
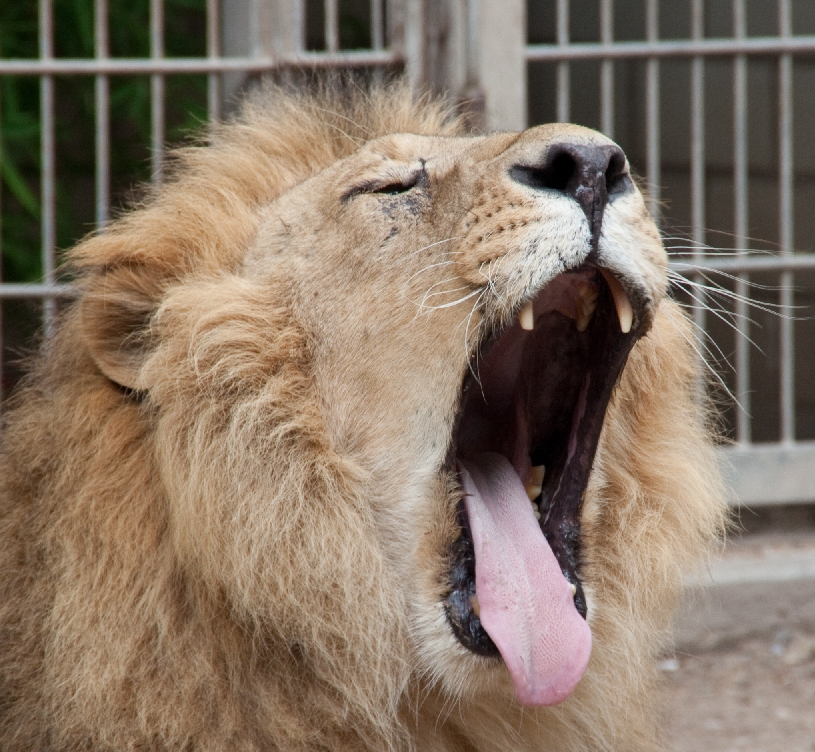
389	186
402	186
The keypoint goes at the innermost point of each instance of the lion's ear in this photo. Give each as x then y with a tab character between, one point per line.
116	311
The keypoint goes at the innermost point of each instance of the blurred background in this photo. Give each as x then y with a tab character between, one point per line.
713	102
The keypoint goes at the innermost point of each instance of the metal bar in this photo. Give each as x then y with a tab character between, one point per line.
146	66
501	73
797	45
563	72
743	263
768	474
377	25
723	47
157	91
772	46
102	103
28	291
740	177
48	158
607	69
786	229
214	83
697	166
332	33
2	367
652	124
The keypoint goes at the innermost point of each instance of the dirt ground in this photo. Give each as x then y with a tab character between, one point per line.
743	674
756	695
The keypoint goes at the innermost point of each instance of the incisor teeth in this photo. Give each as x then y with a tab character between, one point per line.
527	317
587	291
625	313
585	304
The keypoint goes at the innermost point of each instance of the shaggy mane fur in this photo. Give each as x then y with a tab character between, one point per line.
191	563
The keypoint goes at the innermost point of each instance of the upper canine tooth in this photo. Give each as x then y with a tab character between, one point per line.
625	312
527	317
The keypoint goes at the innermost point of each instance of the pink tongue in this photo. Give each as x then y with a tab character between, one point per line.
526	603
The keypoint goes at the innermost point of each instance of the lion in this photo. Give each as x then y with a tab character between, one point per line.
363	432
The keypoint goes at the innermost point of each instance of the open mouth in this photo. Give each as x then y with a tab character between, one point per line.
528	430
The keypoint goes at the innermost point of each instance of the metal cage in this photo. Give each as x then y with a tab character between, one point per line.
513	63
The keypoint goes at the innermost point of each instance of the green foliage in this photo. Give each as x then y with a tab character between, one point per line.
130	118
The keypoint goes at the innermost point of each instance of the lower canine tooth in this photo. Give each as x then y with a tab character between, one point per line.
527	317
573	588
536	473
532	491
625	312
475	605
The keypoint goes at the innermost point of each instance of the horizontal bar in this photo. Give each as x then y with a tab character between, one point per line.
794	262
672	48
771	565
169	66
745	264
769	474
23	291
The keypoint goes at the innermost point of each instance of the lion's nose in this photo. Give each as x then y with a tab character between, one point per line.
589	173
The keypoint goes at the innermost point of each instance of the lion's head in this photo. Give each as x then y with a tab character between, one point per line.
400	419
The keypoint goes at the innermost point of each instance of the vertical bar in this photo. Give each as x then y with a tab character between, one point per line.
607	69
743	427
214	93
502	65
48	158
563	70
786	225
102	116
377	26
697	165
2	367
157	90
332	33
652	125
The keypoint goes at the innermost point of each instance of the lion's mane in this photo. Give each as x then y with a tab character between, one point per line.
215	579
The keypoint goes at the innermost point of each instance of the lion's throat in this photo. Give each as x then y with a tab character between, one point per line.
526	604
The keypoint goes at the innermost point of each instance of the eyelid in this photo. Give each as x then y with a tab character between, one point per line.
399	184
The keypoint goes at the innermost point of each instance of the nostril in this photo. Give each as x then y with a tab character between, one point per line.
557	173
617	179
592	174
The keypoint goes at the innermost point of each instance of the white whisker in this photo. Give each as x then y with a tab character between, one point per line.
430	266
703	360
453	302
438	242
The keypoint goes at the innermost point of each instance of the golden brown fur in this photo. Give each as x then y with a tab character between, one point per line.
236	547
